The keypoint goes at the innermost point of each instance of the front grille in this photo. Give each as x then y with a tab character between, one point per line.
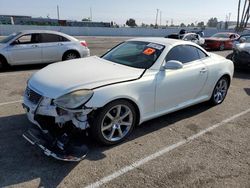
32	96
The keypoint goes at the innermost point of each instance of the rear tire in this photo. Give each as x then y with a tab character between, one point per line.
220	91
114	122
70	55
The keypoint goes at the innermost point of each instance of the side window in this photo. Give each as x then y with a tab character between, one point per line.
63	39
47	38
183	53
25	39
201	54
28	39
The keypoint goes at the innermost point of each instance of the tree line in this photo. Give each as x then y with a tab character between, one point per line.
212	22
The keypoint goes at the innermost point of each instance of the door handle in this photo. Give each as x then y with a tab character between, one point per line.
60	44
34	46
203	70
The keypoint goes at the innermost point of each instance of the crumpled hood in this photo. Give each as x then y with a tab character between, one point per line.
61	78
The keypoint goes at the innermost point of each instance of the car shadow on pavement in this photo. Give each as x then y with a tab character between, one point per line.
242	74
20	162
23	68
96	151
229	56
247	90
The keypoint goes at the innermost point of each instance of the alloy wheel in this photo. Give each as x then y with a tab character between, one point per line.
220	91
117	123
71	56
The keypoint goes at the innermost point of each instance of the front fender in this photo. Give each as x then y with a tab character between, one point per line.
141	92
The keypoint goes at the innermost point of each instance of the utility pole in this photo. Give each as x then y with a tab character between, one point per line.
160	17
91	14
157	12
58	14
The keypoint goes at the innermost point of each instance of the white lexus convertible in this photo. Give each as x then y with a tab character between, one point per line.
136	81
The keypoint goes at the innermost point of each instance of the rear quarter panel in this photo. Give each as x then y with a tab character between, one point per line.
75	45
218	66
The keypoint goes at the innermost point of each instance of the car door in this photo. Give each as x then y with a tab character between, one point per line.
52	47
182	86
25	50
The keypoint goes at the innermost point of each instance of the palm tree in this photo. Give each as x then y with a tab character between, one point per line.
243	15
238	17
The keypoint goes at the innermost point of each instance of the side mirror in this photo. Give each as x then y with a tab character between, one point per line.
172	65
14	43
243	40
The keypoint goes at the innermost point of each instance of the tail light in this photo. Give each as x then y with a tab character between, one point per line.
84	43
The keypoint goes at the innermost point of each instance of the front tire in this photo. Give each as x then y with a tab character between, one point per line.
220	91
3	63
114	122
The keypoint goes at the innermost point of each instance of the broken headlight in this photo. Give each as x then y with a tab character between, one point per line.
74	100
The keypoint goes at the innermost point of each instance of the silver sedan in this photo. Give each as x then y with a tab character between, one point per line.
40	46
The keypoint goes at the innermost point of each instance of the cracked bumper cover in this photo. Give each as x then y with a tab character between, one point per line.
45	108
44	140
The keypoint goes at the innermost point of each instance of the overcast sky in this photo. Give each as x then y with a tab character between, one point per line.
120	10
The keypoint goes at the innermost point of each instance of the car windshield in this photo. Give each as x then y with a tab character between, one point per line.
136	54
221	35
9	38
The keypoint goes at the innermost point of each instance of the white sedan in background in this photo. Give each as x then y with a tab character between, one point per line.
136	81
40	46
194	37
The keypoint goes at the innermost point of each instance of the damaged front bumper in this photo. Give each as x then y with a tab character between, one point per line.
45	107
54	144
49	146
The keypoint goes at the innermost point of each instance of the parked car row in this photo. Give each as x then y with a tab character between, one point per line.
40	46
221	41
188	36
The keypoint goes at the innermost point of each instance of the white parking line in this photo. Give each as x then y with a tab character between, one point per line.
165	150
12	102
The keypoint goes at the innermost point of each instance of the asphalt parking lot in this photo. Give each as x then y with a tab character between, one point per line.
201	146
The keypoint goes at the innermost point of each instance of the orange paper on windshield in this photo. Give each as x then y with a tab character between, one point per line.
149	51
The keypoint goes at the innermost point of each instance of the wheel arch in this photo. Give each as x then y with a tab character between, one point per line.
4	58
228	77
68	51
128	99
